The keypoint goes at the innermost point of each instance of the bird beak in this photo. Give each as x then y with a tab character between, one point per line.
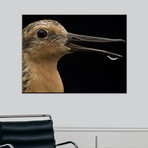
76	38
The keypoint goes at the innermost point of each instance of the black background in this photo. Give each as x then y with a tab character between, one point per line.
91	72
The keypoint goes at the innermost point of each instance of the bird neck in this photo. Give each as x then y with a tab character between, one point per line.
41	75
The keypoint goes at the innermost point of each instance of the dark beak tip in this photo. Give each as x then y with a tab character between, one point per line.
123	41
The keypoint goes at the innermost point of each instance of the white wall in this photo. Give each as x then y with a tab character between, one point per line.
95	110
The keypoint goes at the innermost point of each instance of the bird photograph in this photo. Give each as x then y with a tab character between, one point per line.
74	54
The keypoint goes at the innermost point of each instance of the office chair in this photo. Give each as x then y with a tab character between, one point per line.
28	134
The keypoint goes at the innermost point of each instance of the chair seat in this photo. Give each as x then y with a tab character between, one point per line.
28	134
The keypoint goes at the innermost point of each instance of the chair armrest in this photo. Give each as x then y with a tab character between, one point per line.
6	145
68	142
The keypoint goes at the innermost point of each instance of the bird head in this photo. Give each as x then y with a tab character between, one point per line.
45	38
49	39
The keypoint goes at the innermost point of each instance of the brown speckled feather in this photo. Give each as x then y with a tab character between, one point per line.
40	57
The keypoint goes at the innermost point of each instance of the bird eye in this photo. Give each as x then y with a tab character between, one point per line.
42	33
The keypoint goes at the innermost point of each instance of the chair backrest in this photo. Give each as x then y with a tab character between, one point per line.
27	134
